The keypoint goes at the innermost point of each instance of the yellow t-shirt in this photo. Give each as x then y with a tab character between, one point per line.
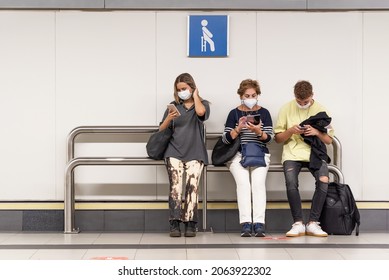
290	114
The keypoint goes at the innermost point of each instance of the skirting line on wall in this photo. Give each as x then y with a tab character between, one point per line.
159	205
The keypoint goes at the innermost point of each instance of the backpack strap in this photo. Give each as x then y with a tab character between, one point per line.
349	206
355	212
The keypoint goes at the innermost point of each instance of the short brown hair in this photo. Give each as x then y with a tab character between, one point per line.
303	90
246	84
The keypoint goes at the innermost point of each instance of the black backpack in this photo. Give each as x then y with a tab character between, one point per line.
340	214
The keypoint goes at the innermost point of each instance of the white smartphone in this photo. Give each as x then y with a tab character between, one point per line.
173	108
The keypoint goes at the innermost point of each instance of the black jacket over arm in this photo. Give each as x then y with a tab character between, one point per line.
320	121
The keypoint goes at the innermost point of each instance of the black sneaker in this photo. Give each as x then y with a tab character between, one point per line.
259	230
175	230
190	229
246	230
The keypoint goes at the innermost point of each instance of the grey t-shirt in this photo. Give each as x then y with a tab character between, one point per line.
187	142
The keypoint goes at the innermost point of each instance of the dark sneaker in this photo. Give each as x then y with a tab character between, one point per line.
190	229
175	230
259	230
246	230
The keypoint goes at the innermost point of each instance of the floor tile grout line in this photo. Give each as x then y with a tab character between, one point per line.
194	246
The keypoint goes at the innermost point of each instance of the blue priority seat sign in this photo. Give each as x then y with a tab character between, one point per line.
208	36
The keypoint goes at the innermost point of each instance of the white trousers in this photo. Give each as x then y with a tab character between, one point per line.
251	192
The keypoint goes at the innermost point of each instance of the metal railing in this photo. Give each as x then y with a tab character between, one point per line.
69	201
104	130
336	148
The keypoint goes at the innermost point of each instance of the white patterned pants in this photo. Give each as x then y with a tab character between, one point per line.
182	173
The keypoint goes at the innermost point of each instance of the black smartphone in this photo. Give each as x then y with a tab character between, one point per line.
254	119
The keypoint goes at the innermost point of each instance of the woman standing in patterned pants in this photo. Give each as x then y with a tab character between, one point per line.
186	153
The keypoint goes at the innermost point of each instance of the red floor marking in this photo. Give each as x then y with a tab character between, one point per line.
276	238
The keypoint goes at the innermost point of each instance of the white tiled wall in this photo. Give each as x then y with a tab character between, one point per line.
63	69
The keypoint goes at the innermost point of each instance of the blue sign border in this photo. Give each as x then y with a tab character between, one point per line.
215	30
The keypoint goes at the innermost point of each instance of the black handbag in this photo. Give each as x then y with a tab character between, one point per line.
158	142
222	152
252	155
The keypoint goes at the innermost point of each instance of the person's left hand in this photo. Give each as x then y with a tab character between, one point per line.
310	131
254	128
196	93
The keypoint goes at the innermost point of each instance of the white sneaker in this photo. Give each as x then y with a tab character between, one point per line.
298	229
314	229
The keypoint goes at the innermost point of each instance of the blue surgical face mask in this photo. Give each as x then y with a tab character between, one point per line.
184	95
304	107
250	103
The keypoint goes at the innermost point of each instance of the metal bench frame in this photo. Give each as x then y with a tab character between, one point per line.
72	163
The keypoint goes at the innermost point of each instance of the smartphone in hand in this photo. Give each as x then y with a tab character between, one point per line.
303	127
254	119
173	108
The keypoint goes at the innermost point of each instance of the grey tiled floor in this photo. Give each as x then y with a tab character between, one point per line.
207	245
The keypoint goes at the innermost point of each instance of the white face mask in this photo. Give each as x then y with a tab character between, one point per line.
250	103
184	95
304	107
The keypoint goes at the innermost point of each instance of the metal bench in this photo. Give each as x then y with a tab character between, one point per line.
72	163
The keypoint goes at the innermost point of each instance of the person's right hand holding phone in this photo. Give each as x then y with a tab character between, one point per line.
297	129
173	111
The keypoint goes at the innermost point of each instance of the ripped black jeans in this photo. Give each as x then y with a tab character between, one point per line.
291	171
